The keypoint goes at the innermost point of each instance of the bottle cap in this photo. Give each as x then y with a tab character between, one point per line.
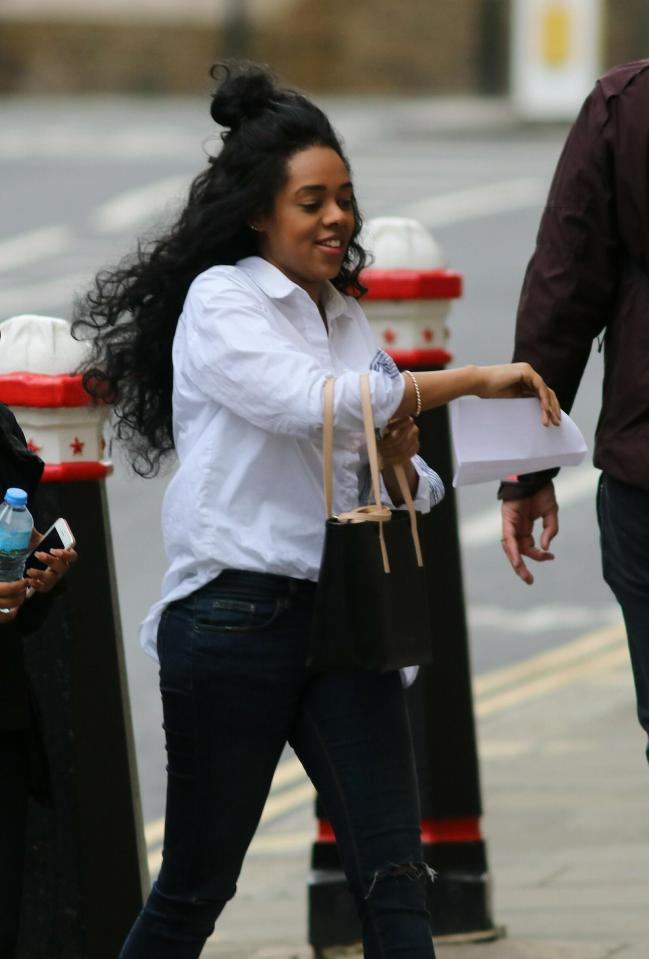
16	497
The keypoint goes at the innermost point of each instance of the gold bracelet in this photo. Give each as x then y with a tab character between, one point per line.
417	391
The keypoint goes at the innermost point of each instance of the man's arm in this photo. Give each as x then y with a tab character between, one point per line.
565	302
570	283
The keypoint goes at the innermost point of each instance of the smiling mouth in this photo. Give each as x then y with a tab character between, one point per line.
332	244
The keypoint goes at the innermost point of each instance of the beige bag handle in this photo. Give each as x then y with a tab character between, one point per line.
372	513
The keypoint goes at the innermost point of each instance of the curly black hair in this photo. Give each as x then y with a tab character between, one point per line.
131	312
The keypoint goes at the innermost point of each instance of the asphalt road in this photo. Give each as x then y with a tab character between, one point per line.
83	178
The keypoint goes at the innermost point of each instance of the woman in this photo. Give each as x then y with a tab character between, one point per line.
18	467
216	341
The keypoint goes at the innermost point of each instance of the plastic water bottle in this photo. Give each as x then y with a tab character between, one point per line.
16	526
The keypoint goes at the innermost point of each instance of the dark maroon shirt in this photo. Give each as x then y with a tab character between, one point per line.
589	274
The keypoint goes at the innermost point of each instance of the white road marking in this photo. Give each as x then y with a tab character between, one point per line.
572	485
471	203
134	207
17	251
123	213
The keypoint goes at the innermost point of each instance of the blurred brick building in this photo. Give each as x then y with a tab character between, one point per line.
337	46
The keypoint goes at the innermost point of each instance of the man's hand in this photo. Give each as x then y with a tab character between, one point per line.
12	596
519	516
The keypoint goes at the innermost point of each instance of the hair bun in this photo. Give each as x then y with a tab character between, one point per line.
241	95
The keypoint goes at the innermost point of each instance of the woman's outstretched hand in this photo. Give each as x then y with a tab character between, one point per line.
515	380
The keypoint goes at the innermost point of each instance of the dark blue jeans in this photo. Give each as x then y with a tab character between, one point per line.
623	514
235	690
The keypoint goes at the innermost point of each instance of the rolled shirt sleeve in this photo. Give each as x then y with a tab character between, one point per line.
430	488
429	492
569	286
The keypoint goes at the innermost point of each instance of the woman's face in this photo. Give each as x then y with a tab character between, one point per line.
307	234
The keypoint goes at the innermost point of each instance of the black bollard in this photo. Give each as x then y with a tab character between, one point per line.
407	309
86	871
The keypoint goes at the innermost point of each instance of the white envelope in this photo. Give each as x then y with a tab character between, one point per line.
493	439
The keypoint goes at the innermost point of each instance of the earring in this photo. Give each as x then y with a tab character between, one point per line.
255	228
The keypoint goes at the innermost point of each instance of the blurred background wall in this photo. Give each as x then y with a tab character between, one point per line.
337	46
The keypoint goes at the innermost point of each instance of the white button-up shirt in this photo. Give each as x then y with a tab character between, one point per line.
251	356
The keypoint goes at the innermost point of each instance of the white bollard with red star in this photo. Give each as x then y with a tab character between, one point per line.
61	423
409	292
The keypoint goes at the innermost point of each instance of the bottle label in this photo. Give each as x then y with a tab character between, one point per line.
14	541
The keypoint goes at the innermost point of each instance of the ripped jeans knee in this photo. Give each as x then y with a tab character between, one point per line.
394	911
414	872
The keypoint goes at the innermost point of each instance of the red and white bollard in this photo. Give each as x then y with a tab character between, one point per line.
408	300
407	306
88	850
58	418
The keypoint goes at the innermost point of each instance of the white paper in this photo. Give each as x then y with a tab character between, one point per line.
493	439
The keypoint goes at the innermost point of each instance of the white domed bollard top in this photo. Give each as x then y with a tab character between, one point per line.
39	344
38	359
409	291
398	243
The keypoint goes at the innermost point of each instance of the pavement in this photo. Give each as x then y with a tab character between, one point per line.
566	791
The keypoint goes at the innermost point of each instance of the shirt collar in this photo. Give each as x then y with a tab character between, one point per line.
334	302
278	286
272	281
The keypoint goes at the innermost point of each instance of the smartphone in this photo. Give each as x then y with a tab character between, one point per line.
58	536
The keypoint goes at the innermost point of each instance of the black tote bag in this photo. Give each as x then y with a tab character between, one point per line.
371	606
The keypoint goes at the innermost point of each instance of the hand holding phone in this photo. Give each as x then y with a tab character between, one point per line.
58	543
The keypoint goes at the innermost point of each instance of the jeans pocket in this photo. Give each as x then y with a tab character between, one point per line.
229	615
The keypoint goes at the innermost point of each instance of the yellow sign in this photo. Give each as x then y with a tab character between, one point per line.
555	34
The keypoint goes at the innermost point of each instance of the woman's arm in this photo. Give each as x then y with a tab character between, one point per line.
249	360
400	440
507	381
